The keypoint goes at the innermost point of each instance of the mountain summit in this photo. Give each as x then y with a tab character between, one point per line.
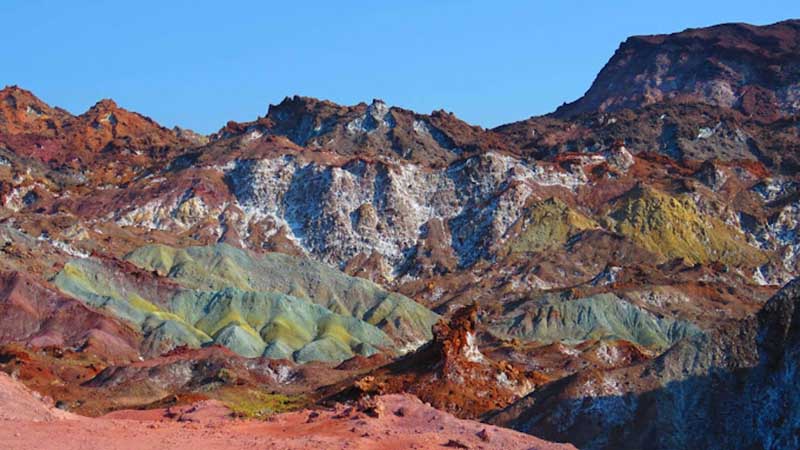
750	68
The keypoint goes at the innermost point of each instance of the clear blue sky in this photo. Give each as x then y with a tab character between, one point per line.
200	63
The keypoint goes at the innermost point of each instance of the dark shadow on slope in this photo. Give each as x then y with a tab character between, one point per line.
736	389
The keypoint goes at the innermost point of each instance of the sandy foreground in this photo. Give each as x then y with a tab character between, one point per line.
388	422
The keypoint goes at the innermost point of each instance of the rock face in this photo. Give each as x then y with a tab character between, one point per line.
367	131
734	388
450	372
675	228
752	69
337	213
21	112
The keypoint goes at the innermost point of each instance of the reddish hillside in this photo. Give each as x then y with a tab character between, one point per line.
40	317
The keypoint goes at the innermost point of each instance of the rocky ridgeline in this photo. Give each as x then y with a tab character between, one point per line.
382	212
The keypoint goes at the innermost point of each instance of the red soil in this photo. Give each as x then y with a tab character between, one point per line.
387	422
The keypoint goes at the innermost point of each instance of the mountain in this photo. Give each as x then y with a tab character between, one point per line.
111	140
328	252
683	132
733	388
754	69
273	305
368	131
37	316
21	112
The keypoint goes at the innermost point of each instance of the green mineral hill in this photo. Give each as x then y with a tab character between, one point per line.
215	267
603	316
674	228
546	224
272	305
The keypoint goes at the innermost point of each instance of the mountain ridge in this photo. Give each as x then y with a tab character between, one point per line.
284	259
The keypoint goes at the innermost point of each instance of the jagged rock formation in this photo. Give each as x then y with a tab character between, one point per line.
371	131
683	132
450	372
114	141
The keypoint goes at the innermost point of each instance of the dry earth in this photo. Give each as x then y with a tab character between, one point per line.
388	422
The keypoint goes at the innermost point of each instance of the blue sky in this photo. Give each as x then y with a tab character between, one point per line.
200	63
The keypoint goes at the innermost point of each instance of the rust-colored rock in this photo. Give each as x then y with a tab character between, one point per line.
450	372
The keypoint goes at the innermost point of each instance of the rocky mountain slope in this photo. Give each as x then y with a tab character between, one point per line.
36	316
752	69
327	251
733	388
274	305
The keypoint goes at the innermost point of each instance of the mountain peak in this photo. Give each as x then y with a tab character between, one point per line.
106	104
299	101
22	112
16	91
754	69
